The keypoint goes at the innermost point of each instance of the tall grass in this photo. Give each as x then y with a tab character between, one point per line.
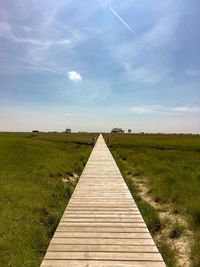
33	195
171	163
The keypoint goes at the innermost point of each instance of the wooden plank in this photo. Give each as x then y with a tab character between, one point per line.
119	212
92	202
102	229
101	220
137	256
110	198
101	248
103	235
93	263
103	241
102	225
92	215
96	208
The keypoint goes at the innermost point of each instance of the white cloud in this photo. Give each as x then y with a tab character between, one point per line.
67	114
74	76
45	43
159	109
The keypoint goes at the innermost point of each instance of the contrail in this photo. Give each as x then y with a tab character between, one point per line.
122	21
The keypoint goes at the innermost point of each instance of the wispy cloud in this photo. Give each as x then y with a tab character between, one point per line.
186	109
7	32
156	109
149	59
145	109
146	75
37	67
74	76
122	21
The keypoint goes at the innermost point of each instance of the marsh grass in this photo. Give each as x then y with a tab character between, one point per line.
151	217
168	253
176	230
171	164
32	193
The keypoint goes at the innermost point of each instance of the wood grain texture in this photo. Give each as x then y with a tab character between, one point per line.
102	225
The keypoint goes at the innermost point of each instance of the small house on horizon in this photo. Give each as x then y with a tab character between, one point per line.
68	130
117	130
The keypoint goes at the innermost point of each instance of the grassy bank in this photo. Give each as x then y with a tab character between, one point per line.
171	166
34	190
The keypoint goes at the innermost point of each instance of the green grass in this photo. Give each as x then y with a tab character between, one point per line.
171	163
32	193
151	217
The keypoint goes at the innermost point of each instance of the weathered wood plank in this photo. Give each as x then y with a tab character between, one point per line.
102	229
92	215
93	263
137	256
103	241
101	248
101	220
102	225
103	235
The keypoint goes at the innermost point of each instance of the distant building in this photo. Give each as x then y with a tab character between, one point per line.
68	131
129	130
117	130
35	131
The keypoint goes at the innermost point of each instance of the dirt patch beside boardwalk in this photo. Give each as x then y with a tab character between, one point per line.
175	232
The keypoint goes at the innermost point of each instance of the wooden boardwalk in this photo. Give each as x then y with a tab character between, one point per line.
102	225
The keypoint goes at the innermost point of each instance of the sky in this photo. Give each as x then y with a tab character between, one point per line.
95	65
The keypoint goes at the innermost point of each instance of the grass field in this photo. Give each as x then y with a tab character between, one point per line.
171	166
34	190
38	173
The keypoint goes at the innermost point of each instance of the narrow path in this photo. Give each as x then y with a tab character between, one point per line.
102	225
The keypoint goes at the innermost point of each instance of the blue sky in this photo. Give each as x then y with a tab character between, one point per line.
94	65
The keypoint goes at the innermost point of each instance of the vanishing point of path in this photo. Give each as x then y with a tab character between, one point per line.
102	225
